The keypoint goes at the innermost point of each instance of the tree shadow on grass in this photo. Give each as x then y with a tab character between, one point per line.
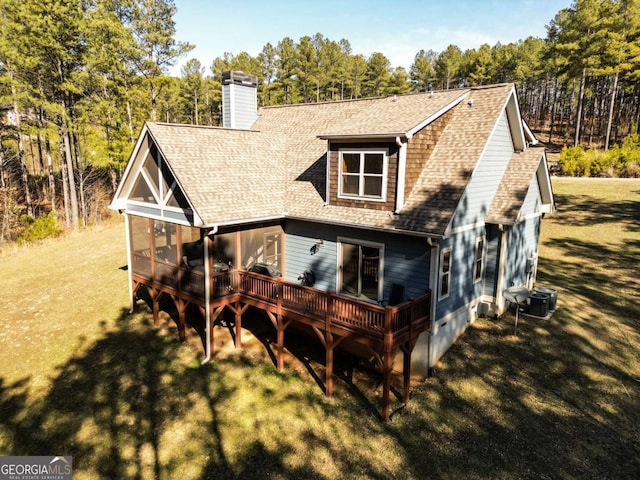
608	280
523	407
115	407
137	404
587	211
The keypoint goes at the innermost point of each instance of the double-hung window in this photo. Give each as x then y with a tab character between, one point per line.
478	260
363	174
445	273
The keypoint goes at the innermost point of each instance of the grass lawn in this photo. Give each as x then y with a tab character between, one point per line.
78	376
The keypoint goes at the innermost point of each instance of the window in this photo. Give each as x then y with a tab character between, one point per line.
363	174
272	248
478	262
360	270
156	185
445	273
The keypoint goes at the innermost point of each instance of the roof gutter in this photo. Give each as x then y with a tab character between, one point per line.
402	167
244	222
362	136
434	236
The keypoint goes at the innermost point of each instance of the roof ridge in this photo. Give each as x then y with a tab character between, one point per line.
204	127
493	85
368	99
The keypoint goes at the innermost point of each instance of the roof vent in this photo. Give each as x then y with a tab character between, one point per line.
239	99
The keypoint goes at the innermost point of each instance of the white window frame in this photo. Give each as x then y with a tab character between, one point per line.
478	275
362	175
274	236
445	274
362	243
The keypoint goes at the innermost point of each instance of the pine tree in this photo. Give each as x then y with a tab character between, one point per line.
154	30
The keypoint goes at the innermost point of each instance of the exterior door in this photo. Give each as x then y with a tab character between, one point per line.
360	268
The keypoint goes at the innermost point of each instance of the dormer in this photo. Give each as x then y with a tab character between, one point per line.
377	151
363	173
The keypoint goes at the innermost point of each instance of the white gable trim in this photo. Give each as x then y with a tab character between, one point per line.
515	122
135	169
119	200
544	183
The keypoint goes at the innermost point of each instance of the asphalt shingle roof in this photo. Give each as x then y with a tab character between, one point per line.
514	185
279	167
227	175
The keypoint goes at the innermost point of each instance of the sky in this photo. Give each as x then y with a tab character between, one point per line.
396	28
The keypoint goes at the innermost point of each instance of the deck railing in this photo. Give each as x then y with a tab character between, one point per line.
345	312
348	313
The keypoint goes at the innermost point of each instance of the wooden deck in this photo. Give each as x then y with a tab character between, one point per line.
382	330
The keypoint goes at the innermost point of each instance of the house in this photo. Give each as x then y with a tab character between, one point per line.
388	224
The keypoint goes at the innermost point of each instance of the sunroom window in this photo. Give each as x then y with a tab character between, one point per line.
363	174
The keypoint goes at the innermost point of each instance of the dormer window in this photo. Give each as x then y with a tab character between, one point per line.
363	174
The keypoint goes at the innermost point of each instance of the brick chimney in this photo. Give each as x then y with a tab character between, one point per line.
239	99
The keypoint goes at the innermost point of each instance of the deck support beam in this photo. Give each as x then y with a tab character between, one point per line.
384	331
329	347
406	374
181	306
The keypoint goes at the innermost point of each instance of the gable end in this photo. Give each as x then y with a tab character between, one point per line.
419	149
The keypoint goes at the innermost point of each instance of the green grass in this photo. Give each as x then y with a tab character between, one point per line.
78	376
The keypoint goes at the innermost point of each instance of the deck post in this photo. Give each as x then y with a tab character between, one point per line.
387	364
155	301
238	342
407	350
280	328
329	347
406	372
182	309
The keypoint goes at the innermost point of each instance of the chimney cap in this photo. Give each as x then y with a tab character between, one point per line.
238	77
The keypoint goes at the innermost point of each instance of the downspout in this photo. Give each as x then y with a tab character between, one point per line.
433	285
328	175
402	167
207	296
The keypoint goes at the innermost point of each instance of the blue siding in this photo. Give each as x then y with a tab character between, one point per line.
301	253
462	289
492	260
485	180
522	244
406	258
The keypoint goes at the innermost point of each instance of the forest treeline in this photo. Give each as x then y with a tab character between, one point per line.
78	79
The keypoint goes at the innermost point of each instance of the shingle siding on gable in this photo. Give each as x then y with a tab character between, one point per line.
419	149
392	176
484	183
